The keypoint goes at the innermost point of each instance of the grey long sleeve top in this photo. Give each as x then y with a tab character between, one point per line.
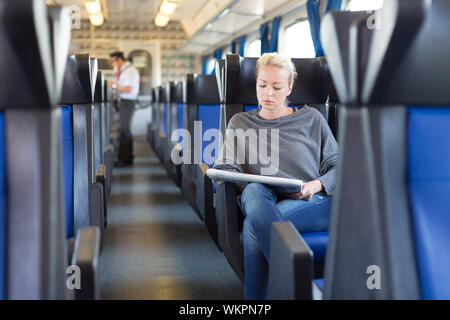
304	149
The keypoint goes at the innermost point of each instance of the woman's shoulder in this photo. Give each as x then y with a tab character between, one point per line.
241	118
312	113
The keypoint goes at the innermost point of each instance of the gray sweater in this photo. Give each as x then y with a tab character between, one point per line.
306	147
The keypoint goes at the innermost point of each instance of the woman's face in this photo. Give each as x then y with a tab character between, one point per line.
272	87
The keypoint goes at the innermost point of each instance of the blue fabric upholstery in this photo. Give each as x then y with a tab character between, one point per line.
248	108
180	114
2	206
209	115
67	162
319	283
429	192
317	241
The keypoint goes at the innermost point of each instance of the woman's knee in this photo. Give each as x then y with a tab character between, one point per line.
254	196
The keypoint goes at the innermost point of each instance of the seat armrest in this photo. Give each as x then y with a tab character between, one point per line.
96	207
205	201
86	256
229	220
101	178
109	163
291	264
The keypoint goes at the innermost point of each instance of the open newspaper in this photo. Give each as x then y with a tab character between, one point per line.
284	185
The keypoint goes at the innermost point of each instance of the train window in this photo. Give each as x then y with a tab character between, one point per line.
253	49
298	42
361	5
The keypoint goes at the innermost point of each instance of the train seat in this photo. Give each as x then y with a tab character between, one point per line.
176	110
3	208
202	108
103	158
78	93
153	125
311	88
36	60
398	115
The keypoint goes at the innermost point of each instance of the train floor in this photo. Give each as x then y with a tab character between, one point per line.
155	245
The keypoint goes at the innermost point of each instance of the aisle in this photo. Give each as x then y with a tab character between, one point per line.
155	245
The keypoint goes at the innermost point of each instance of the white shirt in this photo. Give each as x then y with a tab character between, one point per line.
129	77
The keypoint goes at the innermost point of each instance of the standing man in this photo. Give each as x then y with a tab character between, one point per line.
127	86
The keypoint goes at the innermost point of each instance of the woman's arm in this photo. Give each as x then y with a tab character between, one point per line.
328	158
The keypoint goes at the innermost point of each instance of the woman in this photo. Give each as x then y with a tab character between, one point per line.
307	151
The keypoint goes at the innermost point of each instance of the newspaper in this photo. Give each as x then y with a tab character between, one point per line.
281	184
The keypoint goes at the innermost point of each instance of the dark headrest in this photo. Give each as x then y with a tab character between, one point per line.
106	91
312	85
176	93
169	90
26	59
99	95
59	18
162	94
409	61
335	38
77	87
240	82
154	95
201	89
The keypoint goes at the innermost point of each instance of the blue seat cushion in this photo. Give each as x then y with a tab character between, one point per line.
67	164
3	206
209	115
319	283
317	241
248	108
429	196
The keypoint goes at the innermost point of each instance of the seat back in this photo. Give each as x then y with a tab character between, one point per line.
201	113
33	259
311	87
99	119
3	207
403	173
77	93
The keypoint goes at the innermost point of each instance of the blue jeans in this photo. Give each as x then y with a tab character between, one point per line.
261	207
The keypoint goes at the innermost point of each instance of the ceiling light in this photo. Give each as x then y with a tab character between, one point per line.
93	6
168	7
161	20
97	19
224	12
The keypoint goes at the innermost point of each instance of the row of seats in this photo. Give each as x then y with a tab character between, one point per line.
55	157
211	100
388	234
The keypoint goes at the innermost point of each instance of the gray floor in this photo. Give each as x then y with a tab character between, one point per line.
155	245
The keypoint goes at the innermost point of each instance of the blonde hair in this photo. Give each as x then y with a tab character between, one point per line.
277	60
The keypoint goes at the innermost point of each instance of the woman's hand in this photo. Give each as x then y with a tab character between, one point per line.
308	190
